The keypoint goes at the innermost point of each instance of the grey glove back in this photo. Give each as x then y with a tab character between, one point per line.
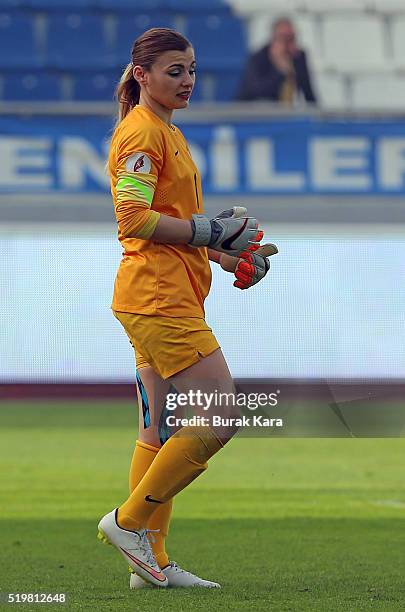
229	232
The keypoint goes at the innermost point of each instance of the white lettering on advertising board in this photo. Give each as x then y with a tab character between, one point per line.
391	163
25	163
340	163
261	170
336	164
78	160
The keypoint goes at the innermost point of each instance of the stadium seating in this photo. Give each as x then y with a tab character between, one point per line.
127	5
9	4
250	7
217	86
197	6
16	26
326	6
309	36
218	41
388	6
129	26
38	87
56	5
350	43
226	86
96	86
354	43
331	90
122	5
77	41
398	41
379	91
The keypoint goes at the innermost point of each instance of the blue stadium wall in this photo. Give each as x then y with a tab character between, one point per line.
295	156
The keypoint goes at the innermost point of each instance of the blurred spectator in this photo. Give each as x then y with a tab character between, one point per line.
278	71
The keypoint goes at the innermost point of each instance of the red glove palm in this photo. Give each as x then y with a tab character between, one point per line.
253	265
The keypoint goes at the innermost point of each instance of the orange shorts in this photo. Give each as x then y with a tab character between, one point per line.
168	344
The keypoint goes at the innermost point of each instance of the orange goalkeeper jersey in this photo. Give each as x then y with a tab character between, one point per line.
152	172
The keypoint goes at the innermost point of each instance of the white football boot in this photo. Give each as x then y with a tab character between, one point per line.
134	547
177	577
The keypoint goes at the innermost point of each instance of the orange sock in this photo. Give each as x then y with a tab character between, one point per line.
144	455
180	460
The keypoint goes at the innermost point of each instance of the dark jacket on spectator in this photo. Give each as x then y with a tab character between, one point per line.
262	80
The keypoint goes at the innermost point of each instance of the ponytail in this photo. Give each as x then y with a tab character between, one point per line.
127	93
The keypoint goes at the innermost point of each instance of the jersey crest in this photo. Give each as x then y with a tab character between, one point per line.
138	162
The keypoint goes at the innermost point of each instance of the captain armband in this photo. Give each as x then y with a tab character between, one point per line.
134	194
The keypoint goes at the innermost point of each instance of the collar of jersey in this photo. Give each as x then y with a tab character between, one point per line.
171	127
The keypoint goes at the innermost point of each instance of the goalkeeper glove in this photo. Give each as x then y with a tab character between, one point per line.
230	232
253	265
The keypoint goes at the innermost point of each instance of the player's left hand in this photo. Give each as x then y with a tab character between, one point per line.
253	265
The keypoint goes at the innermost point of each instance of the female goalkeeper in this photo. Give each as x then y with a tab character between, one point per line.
160	288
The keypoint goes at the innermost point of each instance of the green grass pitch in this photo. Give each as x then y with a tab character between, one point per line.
284	524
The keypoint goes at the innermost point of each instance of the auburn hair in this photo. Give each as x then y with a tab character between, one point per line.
145	51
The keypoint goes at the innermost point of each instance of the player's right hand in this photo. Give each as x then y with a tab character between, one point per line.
230	232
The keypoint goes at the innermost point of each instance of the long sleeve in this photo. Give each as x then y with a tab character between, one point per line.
138	161
133	212
303	77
